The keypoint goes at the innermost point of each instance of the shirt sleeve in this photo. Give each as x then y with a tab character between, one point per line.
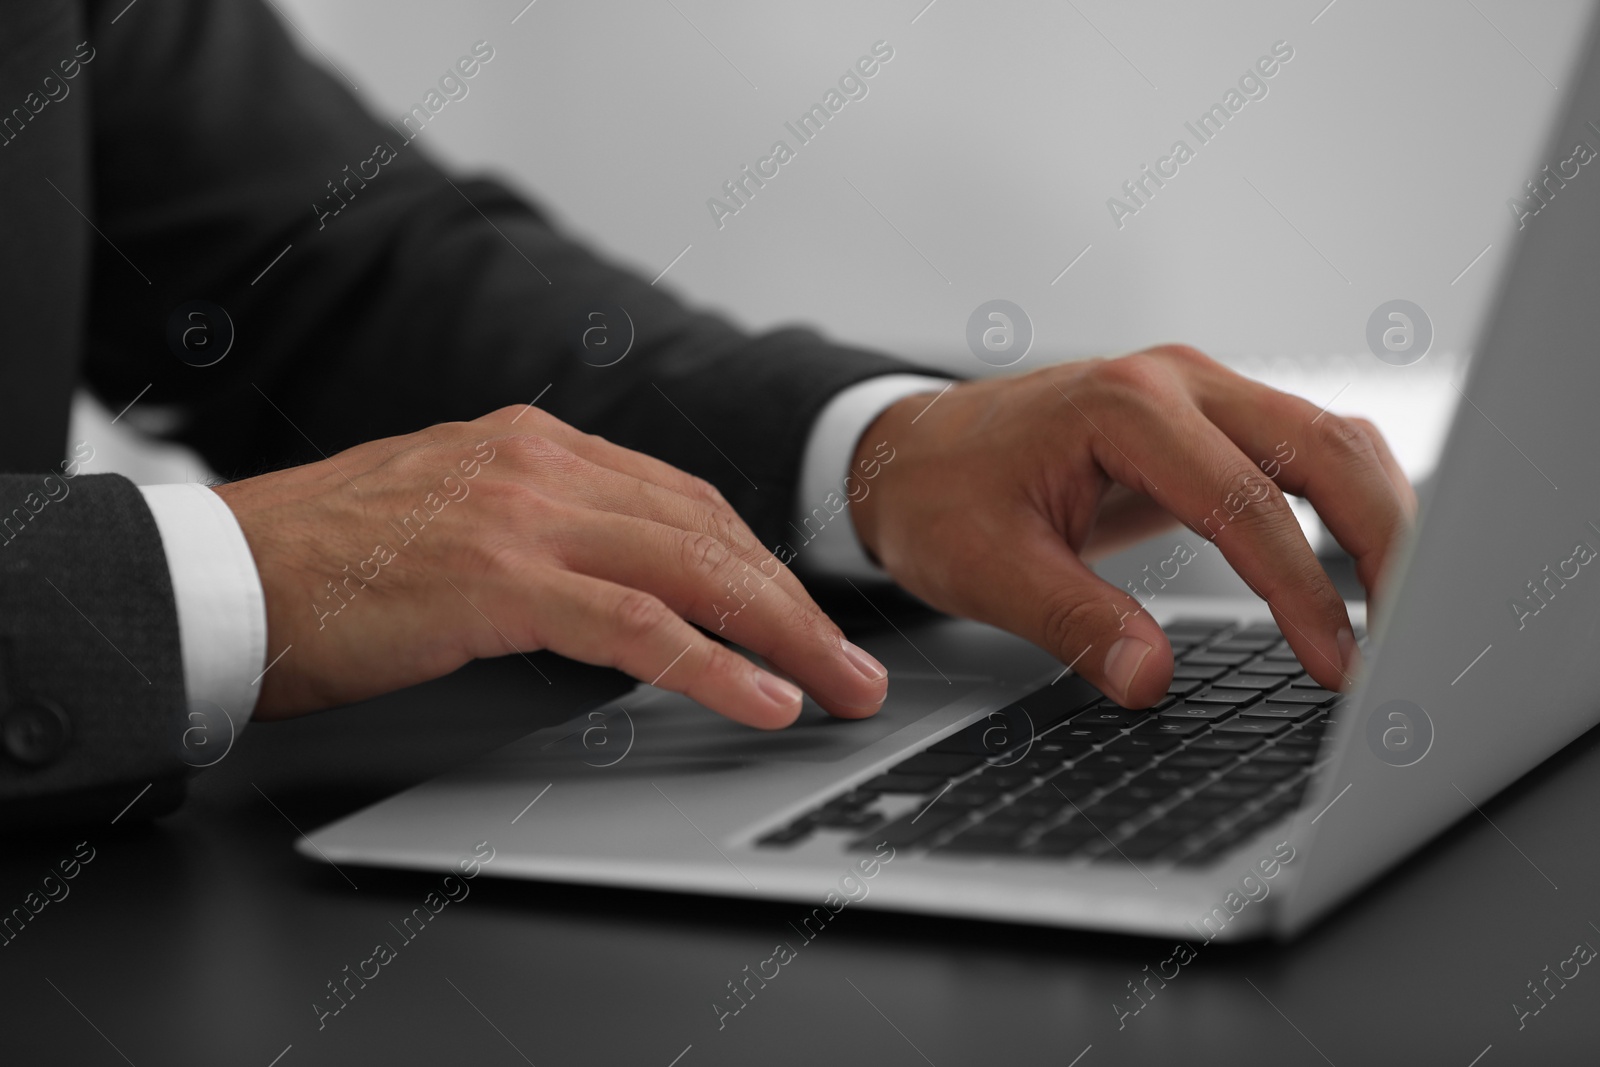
833	549
222	611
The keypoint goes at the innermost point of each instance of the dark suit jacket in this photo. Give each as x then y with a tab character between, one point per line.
167	152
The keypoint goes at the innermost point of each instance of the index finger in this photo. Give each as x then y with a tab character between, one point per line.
1189	466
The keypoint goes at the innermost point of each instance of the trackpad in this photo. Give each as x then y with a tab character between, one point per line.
654	725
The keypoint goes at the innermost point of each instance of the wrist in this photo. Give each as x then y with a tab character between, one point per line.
875	450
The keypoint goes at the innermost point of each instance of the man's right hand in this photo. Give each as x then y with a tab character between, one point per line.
400	560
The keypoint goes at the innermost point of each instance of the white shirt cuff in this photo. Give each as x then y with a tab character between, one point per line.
824	536
222	611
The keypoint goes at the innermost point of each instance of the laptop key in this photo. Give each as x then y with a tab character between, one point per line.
1163	782
1262	683
1061	750
1305	696
1236	698
982	838
1049	706
1041	765
1125	761
1251	771
1076	731
1005	779
1173	775
1293	754
1147	794
1198	671
970	796
1237	743
910	828
1199	712
1230	789
1036	806
1245	641
1272	709
843	819
1150	744
1252	727
1276	668
1218	659
1108	813
1121	718
1072	792
1169	727
1192	758
1206	809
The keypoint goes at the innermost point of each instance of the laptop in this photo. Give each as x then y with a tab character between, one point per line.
996	784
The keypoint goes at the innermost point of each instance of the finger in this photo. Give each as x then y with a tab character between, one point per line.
1194	470
1042	591
1397	475
1331	461
714	514
703	580
609	625
628	494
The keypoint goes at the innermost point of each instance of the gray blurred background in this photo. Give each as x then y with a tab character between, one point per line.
979	165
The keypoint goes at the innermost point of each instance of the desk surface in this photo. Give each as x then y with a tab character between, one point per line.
204	939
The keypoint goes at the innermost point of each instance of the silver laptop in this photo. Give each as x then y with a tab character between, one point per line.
996	784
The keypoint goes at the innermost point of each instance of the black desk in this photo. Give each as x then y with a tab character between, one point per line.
204	939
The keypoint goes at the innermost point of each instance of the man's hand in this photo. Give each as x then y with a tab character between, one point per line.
401	559
1005	487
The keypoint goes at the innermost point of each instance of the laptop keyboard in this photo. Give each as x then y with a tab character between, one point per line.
1061	775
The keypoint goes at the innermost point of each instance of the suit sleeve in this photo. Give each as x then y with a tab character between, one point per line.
372	294
91	681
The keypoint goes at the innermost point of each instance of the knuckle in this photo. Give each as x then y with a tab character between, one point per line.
1251	502
525	416
1135	381
1343	436
719	663
1368	429
637	613
1265	505
727	528
536	454
700	489
1186	354
1071	618
703	554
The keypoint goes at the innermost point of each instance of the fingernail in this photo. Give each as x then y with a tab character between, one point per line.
1123	663
870	668
777	691
1349	653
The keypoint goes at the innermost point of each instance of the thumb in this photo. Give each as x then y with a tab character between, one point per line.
1042	591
